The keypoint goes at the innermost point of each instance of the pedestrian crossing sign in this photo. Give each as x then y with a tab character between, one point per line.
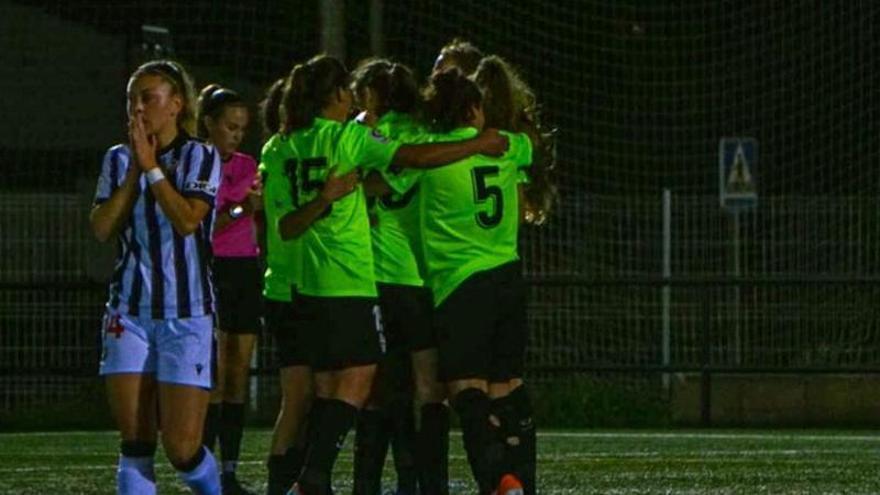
737	160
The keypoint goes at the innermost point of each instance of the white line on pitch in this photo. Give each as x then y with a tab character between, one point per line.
777	435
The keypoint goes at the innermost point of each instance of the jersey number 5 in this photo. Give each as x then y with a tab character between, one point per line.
483	193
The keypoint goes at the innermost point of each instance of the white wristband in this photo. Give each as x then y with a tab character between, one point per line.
154	175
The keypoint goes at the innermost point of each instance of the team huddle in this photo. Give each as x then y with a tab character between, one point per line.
390	277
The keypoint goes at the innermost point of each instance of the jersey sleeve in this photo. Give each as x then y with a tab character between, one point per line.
203	175
366	148
277	196
520	150
108	179
236	183
401	181
520	153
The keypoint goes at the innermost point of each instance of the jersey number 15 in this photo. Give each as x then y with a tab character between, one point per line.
299	172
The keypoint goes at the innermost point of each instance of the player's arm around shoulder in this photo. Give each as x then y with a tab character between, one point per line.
490	142
298	221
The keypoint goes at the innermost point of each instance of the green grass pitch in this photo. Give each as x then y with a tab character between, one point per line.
607	462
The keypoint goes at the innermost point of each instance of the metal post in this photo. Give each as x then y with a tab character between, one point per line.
377	34
666	293
333	28
706	359
737	272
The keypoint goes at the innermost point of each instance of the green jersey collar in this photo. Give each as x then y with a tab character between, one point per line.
391	117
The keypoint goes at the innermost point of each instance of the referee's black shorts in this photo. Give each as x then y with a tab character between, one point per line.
481	327
238	285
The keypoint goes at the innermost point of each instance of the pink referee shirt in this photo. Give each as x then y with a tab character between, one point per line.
239	239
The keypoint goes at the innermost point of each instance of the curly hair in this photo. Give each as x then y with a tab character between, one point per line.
509	103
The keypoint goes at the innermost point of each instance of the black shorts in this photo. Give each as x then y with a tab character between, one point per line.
340	332
407	317
481	327
238	285
290	346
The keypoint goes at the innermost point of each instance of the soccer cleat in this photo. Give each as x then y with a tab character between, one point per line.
509	485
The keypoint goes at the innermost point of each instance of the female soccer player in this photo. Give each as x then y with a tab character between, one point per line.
389	94
508	103
335	300
458	53
287	447
222	120
469	232
155	196
270	109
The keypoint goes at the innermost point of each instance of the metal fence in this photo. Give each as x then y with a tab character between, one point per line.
804	297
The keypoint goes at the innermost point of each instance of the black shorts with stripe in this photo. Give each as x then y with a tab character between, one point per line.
339	332
407	317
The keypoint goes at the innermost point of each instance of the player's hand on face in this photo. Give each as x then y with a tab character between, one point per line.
492	142
142	144
338	186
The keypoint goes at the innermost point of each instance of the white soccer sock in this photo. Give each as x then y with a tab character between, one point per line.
135	476
204	479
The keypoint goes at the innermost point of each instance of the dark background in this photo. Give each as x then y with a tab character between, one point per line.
640	91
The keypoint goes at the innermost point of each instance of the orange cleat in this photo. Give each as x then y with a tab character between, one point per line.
509	485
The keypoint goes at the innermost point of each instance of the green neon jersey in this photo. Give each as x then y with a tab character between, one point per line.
336	256
470	213
281	256
396	215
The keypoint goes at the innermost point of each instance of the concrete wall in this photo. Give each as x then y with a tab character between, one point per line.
780	400
63	84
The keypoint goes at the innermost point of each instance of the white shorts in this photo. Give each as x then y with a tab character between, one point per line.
178	351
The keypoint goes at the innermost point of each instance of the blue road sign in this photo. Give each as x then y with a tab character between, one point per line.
737	161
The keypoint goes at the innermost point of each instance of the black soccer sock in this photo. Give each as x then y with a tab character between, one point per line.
283	470
485	454
525	455
231	429
370	449
403	442
432	449
212	426
311	423
330	429
504	431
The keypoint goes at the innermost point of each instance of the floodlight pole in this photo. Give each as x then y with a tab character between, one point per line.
333	28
